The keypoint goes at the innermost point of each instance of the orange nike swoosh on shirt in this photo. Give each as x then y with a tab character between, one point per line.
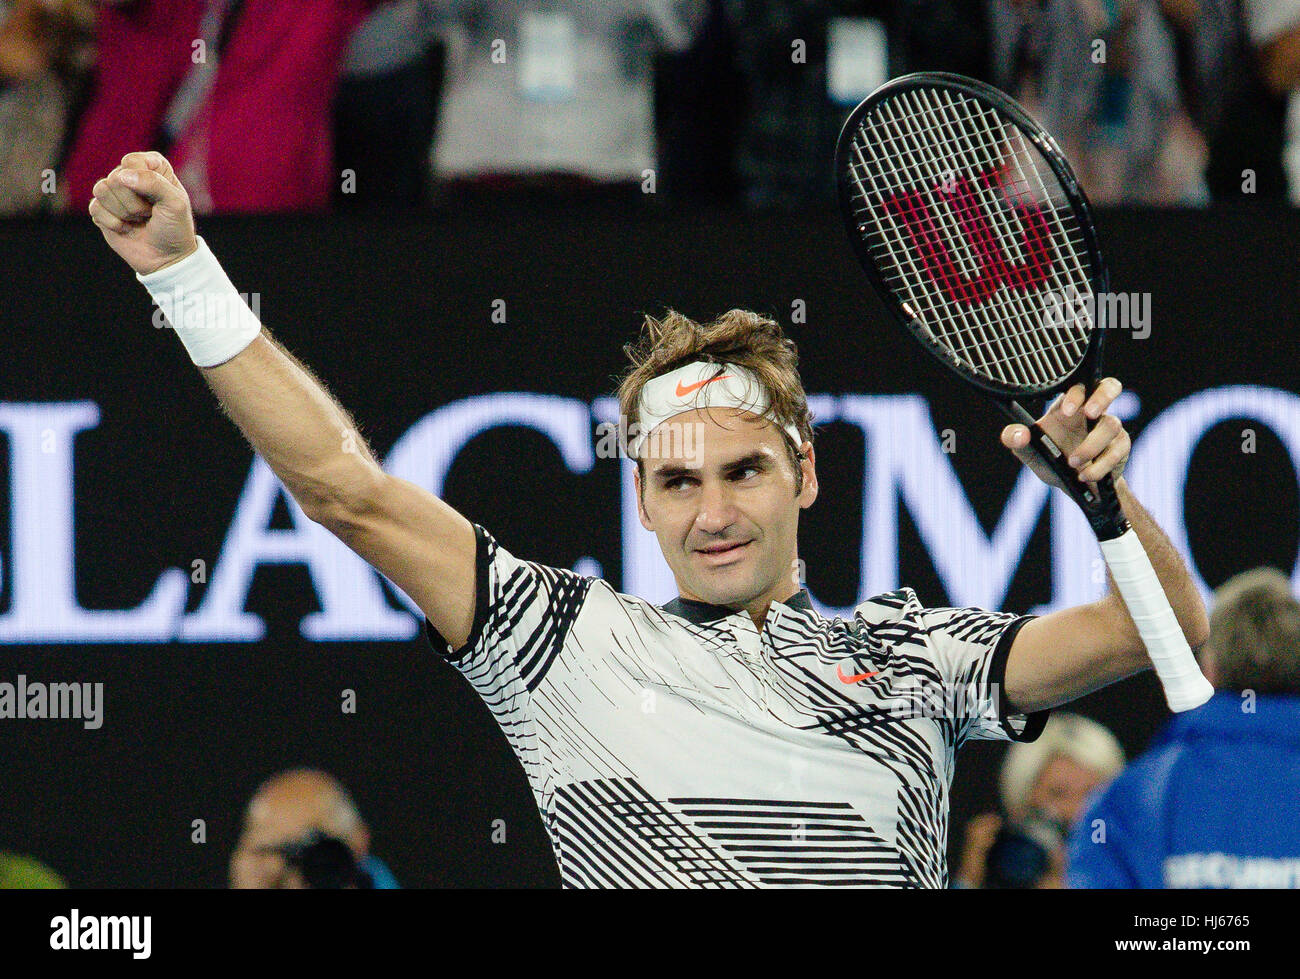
856	678
684	391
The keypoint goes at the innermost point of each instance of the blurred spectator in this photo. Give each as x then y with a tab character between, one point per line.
1215	802
806	63
46	54
1240	61
386	108
19	873
1045	785
791	121
302	829
556	93
1102	77
698	102
940	35
237	93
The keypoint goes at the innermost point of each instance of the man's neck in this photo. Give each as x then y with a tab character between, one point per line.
759	612
758	608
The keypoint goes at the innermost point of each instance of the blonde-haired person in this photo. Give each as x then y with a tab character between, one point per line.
1215	800
1044	787
733	736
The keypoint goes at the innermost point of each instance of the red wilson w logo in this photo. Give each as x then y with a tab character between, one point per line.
996	267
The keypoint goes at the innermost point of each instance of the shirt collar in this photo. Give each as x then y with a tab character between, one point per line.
702	612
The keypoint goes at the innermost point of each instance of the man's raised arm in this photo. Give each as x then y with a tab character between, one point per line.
424	546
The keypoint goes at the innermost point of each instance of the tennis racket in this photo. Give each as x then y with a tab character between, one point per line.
973	229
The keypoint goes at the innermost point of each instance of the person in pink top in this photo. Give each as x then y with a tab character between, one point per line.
238	93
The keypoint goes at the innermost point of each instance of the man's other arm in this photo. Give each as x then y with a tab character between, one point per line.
405	532
402	530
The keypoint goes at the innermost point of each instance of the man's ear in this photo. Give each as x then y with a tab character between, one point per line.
808	465
640	503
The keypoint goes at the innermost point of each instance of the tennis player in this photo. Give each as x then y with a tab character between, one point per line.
733	737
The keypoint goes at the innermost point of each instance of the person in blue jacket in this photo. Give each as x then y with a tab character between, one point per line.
1215	800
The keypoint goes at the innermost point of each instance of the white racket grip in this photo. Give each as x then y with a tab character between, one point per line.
1185	685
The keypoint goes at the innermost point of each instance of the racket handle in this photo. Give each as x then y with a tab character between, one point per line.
1185	685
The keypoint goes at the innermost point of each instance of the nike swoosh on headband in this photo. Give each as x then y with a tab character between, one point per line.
684	391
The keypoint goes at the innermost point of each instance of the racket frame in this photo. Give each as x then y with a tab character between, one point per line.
1102	508
1136	580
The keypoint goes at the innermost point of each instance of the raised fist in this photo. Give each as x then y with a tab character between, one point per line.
145	213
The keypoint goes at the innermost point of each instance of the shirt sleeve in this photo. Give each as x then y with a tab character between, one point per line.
970	648
523	613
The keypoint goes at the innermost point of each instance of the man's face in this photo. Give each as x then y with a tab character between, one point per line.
267	826
721	499
1063	788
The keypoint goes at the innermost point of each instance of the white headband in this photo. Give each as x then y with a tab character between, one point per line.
701	384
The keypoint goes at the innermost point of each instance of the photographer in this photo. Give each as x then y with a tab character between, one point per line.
1044	787
303	831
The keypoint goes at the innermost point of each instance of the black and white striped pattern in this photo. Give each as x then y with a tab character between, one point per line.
682	747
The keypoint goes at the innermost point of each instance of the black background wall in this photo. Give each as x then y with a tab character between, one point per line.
396	316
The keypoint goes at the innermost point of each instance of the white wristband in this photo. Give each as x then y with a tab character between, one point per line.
197	299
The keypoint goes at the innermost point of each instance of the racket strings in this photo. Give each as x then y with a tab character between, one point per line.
989	251
972	340
948	182
985	251
1012	305
1003	349
950	167
1039	263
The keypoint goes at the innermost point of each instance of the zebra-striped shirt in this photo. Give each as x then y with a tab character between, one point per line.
680	746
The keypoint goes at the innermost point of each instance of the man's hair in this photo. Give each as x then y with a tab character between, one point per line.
736	337
334	806
1255	633
1082	740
